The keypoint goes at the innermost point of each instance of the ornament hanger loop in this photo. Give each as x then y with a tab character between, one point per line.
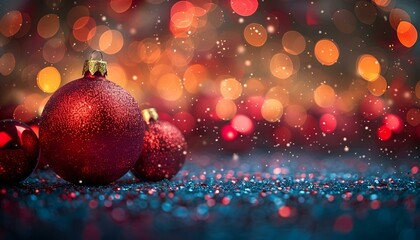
96	51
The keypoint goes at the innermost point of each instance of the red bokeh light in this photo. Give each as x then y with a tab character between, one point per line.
384	133
327	123
229	133
242	124
244	7
393	122
285	212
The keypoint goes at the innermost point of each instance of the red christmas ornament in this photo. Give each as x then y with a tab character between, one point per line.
19	149
91	128
164	149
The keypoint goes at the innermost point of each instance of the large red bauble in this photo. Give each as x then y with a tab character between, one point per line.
19	149
163	153
90	130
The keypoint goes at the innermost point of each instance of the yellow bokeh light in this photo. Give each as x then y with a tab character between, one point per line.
324	96
226	109
255	34
169	87
48	79
293	42
326	52
230	88
378	87
272	110
368	67
111	42
281	66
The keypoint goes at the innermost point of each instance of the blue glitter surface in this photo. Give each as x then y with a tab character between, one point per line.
258	196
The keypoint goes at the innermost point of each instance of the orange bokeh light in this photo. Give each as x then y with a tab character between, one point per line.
48	25
407	34
255	34
326	52
368	67
11	23
293	42
324	96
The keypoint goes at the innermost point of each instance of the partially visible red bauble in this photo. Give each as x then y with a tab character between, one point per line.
19	150
164	150
91	128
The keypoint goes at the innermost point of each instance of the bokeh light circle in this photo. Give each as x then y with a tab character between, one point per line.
407	34
368	67
11	23
230	88
255	34
111	42
54	50
378	87
120	6
169	87
293	42
244	7
327	123
7	64
281	66
324	96
272	110
48	79
48	25
225	109
326	52
242	124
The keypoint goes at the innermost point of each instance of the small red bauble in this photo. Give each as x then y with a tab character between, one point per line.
19	149
164	150
91	128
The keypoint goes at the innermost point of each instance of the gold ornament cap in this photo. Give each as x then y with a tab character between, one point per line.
93	66
149	114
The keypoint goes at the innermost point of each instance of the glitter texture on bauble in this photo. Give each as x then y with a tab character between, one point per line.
164	149
91	129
